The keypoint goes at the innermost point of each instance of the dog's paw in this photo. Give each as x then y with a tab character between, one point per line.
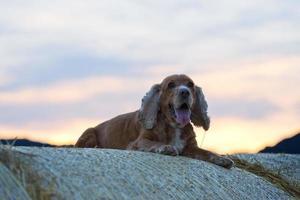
223	162
167	150
228	163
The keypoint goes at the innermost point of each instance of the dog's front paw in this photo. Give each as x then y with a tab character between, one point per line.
167	150
228	163
223	162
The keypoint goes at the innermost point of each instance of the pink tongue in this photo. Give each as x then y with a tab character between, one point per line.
182	116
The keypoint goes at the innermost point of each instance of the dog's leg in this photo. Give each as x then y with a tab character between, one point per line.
147	145
201	154
88	139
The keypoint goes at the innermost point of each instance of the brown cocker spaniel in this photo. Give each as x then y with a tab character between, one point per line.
161	125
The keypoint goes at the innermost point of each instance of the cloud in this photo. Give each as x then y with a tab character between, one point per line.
269	78
5	79
187	34
296	108
67	91
71	91
243	108
64	65
102	106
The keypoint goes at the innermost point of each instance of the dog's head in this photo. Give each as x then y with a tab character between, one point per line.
179	100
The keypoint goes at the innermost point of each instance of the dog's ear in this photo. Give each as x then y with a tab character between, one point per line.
199	110
150	107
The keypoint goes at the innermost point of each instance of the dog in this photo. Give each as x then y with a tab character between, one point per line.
162	124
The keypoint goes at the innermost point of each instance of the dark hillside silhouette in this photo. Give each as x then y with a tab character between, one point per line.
289	145
25	142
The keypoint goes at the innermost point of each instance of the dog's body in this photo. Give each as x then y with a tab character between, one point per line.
161	125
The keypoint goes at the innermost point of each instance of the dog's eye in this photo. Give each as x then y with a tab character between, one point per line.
190	84
171	85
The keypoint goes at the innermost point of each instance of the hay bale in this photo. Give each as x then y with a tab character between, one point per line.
271	175
286	166
10	187
70	173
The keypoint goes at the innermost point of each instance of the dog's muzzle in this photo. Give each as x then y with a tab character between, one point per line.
184	92
182	106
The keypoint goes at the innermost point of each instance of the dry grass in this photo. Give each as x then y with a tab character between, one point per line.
268	175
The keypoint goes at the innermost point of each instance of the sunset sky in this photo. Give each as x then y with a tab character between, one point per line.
69	65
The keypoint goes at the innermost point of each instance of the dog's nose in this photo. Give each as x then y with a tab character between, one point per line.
184	92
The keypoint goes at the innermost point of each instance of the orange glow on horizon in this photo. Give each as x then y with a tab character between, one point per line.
226	136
